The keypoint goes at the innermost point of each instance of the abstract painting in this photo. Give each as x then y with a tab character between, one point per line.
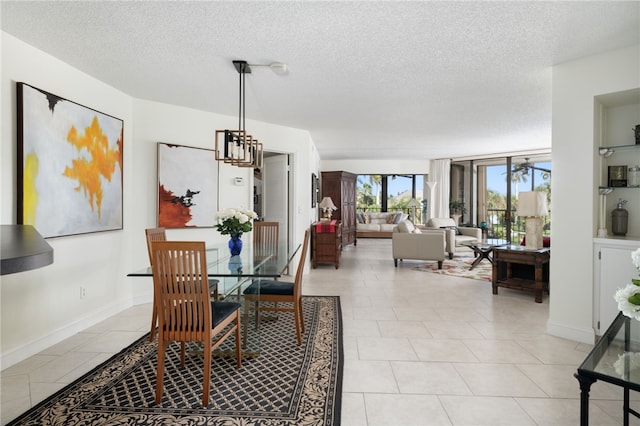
69	165
187	186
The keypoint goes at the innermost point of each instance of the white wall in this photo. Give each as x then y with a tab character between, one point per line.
42	307
383	166
574	184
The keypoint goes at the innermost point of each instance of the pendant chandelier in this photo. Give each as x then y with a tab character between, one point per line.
237	147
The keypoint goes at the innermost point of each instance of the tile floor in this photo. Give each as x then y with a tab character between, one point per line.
420	349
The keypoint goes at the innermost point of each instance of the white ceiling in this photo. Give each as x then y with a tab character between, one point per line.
374	79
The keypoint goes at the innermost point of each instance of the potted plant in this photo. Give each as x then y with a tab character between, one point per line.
457	207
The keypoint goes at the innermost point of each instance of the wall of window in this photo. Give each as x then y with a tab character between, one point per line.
389	193
489	188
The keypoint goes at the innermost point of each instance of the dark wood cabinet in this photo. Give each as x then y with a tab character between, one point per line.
341	187
326	243
520	268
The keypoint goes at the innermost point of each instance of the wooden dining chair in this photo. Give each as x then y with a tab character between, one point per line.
186	312
160	234
154	234
265	238
279	292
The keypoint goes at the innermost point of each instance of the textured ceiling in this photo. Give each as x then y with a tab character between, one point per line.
367	79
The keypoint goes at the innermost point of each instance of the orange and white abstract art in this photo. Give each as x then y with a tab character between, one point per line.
187	186
69	165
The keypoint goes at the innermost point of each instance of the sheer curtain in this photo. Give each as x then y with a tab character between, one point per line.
439	171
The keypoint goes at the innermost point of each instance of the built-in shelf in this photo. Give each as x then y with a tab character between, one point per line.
619	187
604	150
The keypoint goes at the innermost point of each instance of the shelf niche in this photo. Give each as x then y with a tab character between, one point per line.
617	114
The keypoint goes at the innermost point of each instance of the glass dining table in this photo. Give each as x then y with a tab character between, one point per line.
236	273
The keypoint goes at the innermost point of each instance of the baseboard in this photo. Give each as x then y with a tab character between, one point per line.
14	356
583	335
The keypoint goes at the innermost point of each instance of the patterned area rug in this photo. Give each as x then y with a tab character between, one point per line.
286	385
460	266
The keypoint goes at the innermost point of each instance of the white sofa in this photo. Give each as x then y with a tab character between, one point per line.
409	243
455	235
377	225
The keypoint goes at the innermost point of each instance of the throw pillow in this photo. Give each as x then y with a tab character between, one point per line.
391	218
406	227
400	217
455	228
546	241
359	217
366	217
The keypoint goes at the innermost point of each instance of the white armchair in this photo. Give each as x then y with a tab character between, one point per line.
455	235
426	245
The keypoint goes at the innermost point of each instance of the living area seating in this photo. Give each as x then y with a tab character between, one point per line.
455	235
377	225
410	243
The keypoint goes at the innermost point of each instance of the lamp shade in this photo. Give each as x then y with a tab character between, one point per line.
533	203
413	203
327	204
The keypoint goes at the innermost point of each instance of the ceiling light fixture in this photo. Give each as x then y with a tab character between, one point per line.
236	147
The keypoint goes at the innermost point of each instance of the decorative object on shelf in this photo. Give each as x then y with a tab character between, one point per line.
634	176
617	176
637	133
602	214
628	298
413	204
532	205
235	222
619	219
606	152
327	207
239	148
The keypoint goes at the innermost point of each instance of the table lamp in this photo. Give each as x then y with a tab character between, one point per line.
413	204
327	207
532	205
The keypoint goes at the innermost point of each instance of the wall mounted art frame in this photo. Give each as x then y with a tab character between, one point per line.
315	188
187	186
69	165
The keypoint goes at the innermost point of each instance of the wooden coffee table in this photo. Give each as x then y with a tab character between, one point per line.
483	249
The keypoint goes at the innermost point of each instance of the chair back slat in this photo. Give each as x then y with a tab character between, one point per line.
181	289
154	234
265	238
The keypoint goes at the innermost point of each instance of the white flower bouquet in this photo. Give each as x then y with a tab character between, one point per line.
628	298
235	222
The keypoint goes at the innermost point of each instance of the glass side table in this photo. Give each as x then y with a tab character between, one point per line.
614	359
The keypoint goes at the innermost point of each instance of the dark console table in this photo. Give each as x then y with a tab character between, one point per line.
520	268
326	243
